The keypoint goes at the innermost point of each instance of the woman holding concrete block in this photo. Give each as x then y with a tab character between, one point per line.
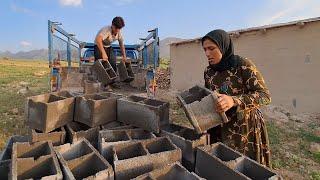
242	91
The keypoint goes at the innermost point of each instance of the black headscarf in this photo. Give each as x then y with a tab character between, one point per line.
222	39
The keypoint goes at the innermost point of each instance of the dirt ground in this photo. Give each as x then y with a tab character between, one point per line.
294	138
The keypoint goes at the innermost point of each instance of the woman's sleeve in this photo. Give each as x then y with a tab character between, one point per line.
206	83
258	94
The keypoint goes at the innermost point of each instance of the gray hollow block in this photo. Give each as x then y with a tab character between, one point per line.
136	158
139	80
148	114
34	161
76	131
173	171
199	104
5	169
7	152
96	109
109	138
125	72
105	75
114	125
228	164
57	136
48	112
91	86
188	141
85	68
81	160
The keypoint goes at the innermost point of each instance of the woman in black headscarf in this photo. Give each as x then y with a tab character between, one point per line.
242	91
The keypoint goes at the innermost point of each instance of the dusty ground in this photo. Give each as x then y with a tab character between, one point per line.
295	139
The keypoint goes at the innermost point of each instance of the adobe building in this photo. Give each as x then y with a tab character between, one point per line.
287	54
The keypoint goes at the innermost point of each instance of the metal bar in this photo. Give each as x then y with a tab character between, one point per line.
60	30
69	53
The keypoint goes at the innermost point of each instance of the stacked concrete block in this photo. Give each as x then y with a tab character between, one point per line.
125	72
7	152
199	104
136	158
148	114
34	161
139	80
173	171
109	138
76	131
188	141
81	160
91	86
85	68
229	164
57	136
48	112
96	109
104	72
114	125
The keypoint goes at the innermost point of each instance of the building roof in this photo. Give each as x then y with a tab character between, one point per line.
265	27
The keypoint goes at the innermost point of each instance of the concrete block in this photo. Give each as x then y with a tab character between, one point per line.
57	136
105	75
173	171
76	131
228	164
7	152
139	80
48	112
91	86
136	158
188	141
125	72
199	104
81	160
148	114
85	68
115	125
109	138
34	161
96	109
5	169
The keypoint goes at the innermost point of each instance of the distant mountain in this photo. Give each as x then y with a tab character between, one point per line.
41	54
165	46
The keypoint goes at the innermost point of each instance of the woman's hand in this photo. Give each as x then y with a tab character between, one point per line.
224	103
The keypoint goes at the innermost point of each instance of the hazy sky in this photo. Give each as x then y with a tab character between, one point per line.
24	22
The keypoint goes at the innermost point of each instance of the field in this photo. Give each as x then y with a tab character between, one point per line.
292	141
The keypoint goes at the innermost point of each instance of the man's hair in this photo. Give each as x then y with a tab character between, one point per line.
118	22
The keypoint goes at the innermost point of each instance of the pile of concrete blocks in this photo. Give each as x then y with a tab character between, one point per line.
104	71
188	141
199	104
145	113
96	109
81	160
229	164
34	161
111	136
135	158
125	72
173	171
